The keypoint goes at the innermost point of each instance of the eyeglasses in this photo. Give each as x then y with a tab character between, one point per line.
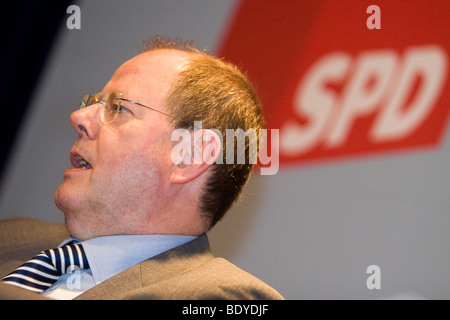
111	105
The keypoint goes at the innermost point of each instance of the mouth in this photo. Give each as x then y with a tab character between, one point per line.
79	162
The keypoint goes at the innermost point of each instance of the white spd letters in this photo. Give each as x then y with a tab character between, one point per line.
400	90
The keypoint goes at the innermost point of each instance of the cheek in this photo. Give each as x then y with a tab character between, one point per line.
134	159
136	169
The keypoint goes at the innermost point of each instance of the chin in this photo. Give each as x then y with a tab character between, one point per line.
64	198
73	219
68	200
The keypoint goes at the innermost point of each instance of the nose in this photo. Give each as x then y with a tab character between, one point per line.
86	121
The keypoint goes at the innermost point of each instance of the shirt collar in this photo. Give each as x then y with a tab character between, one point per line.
110	255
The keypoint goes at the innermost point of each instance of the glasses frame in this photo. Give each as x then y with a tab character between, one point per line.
95	98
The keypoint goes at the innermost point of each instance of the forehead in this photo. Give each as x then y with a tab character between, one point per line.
148	76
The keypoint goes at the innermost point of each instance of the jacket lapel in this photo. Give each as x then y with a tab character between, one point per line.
161	267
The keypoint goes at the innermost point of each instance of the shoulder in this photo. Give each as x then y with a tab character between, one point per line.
220	279
191	272
217	279
22	230
22	238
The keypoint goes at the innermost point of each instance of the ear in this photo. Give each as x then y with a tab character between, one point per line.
202	150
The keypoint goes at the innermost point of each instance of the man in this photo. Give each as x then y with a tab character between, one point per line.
137	204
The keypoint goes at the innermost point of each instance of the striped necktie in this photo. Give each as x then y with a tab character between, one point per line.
41	272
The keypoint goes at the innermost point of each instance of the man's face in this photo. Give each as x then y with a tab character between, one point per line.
126	182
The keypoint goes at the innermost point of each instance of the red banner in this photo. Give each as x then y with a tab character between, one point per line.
346	78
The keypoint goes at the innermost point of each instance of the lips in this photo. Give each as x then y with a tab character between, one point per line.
79	162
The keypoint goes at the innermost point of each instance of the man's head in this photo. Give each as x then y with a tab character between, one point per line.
131	184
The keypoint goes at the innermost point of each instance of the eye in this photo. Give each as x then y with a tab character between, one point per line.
118	108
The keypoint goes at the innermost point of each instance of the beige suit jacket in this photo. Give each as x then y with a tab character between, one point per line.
187	272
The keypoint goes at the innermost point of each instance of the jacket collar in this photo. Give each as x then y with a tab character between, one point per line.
161	267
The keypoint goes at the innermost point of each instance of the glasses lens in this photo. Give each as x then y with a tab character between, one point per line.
87	101
111	107
108	109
